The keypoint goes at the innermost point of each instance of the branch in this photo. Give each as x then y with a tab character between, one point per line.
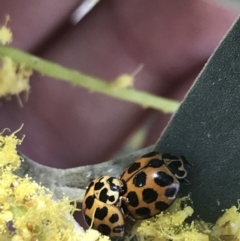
93	84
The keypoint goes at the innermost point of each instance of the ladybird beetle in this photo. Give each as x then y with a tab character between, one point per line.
147	187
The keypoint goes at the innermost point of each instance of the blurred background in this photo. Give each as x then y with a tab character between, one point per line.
231	2
68	126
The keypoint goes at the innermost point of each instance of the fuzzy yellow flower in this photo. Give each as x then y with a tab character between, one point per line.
228	226
5	33
8	152
125	80
28	211
14	78
171	225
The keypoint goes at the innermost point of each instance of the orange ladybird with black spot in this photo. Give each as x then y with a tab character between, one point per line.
147	187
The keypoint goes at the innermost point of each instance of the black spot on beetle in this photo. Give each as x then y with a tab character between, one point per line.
114	218
175	166
88	188
98	186
143	212
124	187
170	192
104	197
169	156
162	179
101	213
113	187
88	220
149	195
133	199
119	229
187	165
150	154
155	163
134	167
140	179
161	206
111	198
89	202
104	229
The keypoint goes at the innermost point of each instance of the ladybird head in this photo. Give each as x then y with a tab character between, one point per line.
107	189
179	166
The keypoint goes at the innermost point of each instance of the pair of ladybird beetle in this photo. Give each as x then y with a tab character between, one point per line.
147	186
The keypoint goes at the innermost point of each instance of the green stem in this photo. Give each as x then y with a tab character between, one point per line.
93	84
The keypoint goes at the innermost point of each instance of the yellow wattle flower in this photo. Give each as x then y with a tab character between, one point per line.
27	210
14	78
5	32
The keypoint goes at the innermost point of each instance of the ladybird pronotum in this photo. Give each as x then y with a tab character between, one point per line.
147	187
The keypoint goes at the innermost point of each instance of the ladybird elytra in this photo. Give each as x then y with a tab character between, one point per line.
150	187
147	186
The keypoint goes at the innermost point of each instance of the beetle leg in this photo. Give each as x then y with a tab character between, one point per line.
121	198
126	216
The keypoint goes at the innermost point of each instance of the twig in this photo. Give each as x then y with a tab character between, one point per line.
93	84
